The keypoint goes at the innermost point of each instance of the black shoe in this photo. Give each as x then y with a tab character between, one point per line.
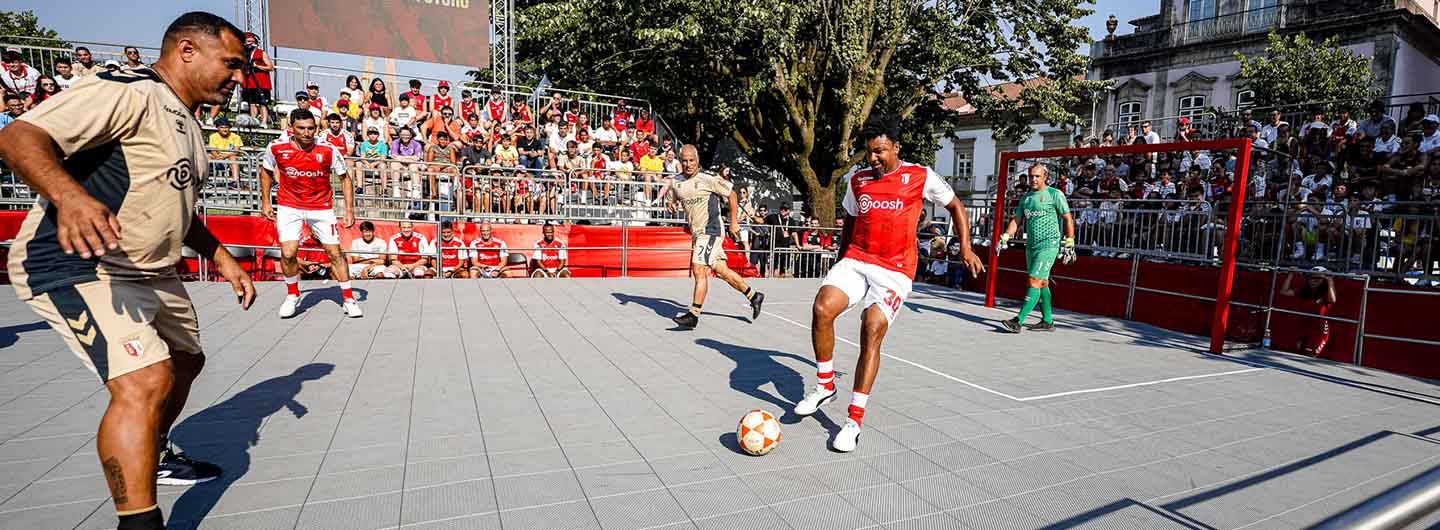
176	469
755	304
686	319
1041	326
1013	325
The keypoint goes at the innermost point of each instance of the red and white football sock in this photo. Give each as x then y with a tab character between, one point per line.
292	285
857	406
825	376
345	292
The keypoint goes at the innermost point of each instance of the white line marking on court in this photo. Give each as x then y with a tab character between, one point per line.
909	362
1031	398
1133	385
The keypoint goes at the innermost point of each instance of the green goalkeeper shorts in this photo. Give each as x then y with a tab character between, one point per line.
1039	259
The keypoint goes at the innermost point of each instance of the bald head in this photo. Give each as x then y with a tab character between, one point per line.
689	160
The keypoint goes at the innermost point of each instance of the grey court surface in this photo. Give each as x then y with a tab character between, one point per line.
572	404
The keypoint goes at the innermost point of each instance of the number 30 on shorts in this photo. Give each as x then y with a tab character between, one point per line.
892	300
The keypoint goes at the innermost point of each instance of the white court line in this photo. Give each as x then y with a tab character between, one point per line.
1031	398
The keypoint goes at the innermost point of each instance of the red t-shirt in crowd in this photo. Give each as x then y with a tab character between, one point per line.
886	209
496	107
521	114
621	120
466	109
550	253
341	140
571	118
645	126
438	102
304	175
259	79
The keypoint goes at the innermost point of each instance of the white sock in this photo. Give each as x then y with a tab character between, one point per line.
859	399
825	380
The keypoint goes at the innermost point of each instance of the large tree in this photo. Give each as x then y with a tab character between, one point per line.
793	82
23	28
1296	69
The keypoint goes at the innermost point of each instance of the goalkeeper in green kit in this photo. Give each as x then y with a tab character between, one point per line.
1042	209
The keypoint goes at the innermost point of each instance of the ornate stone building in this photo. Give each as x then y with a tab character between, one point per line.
1182	60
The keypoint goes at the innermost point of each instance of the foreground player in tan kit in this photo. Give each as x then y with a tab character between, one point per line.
118	160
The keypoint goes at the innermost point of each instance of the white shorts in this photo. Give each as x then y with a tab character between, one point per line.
323	224
869	284
357	270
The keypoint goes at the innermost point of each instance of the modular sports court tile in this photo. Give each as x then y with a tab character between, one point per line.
575	404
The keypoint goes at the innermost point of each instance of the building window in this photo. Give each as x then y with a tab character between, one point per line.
962	172
1129	112
1201	9
1192	106
1244	99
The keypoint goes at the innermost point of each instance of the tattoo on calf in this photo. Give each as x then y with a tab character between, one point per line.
116	479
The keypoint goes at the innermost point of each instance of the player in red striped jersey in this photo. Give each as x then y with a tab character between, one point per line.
878	251
488	254
551	260
304	167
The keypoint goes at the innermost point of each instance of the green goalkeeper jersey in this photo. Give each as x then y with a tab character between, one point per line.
1040	211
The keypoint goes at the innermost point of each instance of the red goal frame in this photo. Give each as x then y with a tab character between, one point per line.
1242	147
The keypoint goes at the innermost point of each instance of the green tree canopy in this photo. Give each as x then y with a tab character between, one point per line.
794	81
23	28
1295	70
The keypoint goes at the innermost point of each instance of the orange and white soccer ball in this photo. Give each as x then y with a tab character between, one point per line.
759	432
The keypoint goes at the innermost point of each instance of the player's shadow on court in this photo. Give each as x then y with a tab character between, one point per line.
976	319
327	293
9	335
224	433
666	308
754	367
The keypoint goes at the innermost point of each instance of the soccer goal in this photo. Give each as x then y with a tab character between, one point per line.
1158	228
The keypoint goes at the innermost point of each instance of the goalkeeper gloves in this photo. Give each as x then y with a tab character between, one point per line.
1067	251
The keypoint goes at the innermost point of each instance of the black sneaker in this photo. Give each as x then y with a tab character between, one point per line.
1013	325
755	304
686	319
176	469
1041	326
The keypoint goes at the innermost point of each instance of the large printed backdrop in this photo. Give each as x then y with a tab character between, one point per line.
435	31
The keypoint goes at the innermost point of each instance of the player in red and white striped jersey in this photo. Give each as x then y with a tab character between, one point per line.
410	253
304	167
878	251
454	257
488	254
550	259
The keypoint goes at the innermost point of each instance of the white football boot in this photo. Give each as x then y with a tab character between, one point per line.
352	309
287	308
813	401
848	436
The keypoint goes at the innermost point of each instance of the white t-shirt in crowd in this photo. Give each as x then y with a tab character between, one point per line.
403	116
362	250
603	135
1392	145
65	83
1430	142
1152	137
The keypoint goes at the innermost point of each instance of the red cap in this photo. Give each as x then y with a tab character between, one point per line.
444	84
1184	121
374	106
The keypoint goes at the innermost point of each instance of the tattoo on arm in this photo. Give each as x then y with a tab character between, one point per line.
116	479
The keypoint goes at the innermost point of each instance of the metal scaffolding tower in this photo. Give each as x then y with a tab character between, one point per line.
252	16
502	42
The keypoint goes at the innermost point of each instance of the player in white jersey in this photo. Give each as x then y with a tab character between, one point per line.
367	254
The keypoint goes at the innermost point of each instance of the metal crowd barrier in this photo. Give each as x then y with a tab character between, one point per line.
42	53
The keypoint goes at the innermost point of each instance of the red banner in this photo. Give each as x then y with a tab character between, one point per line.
432	31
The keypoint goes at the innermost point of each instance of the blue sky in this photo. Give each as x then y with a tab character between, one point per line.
140	23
